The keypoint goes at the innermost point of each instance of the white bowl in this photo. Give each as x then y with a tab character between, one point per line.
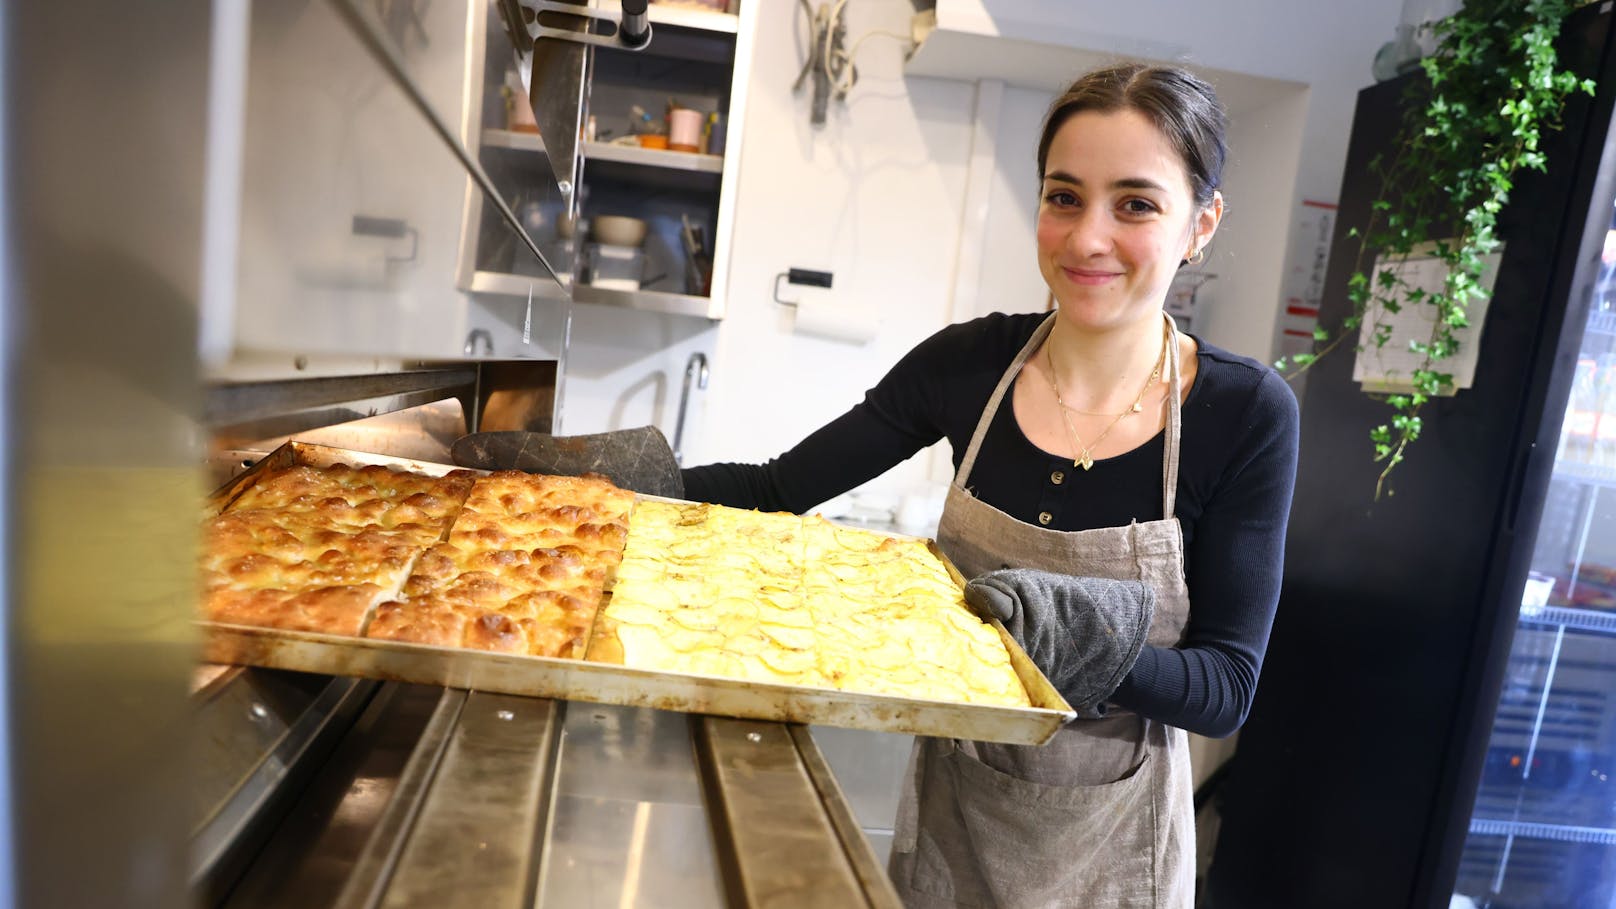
617	230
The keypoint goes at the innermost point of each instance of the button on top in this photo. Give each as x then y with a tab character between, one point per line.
1058	477
1045	517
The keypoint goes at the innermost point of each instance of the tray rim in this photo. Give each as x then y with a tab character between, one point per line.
456	667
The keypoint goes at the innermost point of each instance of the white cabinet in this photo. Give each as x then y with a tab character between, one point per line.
696	59
347	213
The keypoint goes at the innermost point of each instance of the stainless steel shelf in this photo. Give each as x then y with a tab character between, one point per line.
689	17
493	282
1580	619
649	300
505	138
653	157
1564	833
1586	473
488	282
611	152
1603	323
619	154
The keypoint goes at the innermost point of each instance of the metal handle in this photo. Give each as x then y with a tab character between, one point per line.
635	29
632	29
371	226
695	371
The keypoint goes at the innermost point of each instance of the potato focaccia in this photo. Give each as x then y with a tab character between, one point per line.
523	569
778	598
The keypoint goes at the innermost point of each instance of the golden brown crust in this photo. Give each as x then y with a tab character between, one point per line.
416	624
510	562
316	548
326	610
524	566
346	498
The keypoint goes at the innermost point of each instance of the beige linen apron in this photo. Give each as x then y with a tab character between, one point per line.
1102	816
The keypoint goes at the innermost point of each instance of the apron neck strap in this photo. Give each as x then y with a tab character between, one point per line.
1175	420
969	461
1175	415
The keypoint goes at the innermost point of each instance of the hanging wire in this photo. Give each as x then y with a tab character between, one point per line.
830	60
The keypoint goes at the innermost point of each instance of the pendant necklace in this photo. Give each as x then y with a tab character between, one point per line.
1085	456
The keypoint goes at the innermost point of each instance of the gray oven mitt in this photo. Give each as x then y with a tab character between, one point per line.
1084	633
639	459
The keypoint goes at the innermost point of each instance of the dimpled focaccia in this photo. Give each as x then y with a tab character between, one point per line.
523	570
316	549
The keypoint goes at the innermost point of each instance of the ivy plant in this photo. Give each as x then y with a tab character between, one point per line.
1493	86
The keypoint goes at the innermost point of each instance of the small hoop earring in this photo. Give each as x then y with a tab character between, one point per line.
1197	257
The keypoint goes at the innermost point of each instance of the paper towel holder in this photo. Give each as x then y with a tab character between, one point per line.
800	276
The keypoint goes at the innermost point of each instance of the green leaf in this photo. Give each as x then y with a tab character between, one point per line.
1494	90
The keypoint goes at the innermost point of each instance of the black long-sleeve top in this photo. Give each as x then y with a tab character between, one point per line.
1237	467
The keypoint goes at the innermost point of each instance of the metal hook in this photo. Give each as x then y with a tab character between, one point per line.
695	370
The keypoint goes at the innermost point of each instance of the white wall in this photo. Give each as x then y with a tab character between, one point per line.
1248	253
877	196
874	196
1287	70
1327	45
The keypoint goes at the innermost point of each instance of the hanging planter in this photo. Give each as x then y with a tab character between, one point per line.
1493	86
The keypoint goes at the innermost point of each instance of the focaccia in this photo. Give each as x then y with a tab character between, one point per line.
778	598
373	497
522	571
317	548
892	620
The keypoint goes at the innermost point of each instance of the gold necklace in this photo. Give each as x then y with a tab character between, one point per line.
1085	456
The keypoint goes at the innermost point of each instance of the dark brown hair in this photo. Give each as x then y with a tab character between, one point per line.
1183	107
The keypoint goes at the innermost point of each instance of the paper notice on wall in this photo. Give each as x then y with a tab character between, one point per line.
1307	258
1390	367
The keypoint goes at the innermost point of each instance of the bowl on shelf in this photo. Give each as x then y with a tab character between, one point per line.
617	230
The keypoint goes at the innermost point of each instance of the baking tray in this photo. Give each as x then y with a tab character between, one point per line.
610	683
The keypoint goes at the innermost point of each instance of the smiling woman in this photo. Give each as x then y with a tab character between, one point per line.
1130	458
1117	215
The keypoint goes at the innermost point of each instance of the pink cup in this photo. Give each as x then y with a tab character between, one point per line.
684	129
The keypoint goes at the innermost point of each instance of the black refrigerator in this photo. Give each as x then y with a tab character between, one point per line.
1435	724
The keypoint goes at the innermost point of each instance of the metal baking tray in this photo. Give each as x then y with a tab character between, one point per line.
610	683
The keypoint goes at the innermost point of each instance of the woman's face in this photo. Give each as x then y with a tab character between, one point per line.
1115	217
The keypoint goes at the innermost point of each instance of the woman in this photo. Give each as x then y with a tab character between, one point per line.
1096	442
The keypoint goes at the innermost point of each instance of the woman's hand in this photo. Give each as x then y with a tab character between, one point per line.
1083	633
